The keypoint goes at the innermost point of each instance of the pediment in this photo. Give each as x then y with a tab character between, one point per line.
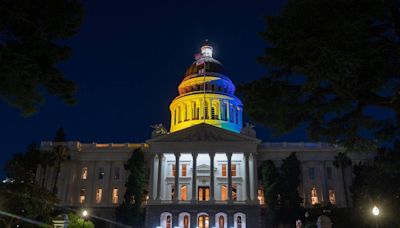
204	133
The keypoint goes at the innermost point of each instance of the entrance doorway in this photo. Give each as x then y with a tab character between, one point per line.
204	193
202	221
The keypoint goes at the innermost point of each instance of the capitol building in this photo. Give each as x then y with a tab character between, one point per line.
203	171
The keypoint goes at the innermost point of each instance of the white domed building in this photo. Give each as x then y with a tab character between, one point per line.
203	172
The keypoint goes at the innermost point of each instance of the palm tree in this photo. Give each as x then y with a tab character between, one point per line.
342	161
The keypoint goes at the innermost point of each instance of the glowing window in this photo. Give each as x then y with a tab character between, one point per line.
234	192
99	194
332	196
173	170
221	221
186	221
234	170
314	196
224	170
115	196
183	193
82	195
261	197
84	173
184	170
101	173
224	193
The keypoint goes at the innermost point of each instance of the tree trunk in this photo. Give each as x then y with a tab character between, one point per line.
345	187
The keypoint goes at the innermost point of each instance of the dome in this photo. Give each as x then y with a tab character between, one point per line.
212	65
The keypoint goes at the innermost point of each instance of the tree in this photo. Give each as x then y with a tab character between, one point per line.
342	162
281	190
77	222
131	210
21	195
31	35
378	184
59	154
333	66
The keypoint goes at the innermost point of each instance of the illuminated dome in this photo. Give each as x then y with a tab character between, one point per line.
216	105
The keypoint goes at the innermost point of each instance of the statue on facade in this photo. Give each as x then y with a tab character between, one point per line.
158	129
248	129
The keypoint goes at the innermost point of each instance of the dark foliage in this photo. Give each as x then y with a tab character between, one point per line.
31	35
333	65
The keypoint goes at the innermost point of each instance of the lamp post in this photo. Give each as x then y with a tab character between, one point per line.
375	212
85	214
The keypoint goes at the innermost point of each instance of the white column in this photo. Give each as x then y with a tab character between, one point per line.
229	155
255	177
160	158
176	191
248	182
152	178
212	195
194	178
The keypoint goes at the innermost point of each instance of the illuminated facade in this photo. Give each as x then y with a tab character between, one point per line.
203	172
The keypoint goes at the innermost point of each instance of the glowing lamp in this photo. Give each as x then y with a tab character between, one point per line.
207	51
85	213
375	211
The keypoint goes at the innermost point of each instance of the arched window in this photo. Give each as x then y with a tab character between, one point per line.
203	221
213	113
221	221
168	222
239	220
206	112
174	116
179	114
186	221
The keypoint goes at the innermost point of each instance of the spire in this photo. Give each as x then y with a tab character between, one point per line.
206	50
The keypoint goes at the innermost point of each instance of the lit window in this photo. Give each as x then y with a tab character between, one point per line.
234	192
311	173
116	173
329	172
332	196
183	193
101	173
234	170
82	195
261	197
84	173
224	193
173	170
224	170
314	196
184	170
115	196
99	194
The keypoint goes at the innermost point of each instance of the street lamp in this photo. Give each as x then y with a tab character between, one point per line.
85	214
376	212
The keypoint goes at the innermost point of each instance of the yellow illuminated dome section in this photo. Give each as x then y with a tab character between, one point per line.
206	95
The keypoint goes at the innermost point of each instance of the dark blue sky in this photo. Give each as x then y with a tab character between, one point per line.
128	60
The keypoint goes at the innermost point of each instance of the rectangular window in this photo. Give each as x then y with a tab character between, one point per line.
184	170
115	196
101	173
82	195
84	173
99	194
224	193
311	173
332	196
172	192
183	193
173	170
314	196
116	173
234	192
261	197
234	170
223	170
329	173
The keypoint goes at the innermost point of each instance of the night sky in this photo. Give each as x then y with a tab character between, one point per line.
128	60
